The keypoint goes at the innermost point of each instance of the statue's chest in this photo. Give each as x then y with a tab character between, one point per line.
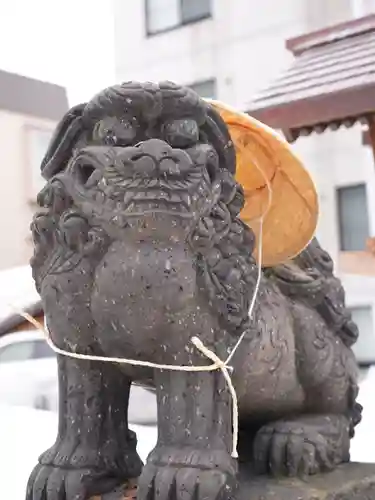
147	275
141	290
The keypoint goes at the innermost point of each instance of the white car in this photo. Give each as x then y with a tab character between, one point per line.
28	370
28	377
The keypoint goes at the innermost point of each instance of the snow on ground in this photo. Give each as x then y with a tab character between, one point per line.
25	433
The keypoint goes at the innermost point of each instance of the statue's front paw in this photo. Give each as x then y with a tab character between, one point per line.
195	476
55	483
184	483
291	449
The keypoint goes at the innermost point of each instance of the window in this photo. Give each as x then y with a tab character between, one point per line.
353	217
162	15
364	348
38	140
26	350
193	10
205	89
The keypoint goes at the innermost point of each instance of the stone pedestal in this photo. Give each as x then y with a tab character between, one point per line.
349	482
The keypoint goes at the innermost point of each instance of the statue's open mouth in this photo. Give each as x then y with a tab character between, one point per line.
149	178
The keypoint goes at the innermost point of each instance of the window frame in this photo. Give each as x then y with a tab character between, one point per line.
339	218
212	80
180	24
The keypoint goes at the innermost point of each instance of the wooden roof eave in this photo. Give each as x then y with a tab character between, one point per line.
319	112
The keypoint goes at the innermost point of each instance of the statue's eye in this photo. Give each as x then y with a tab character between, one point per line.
116	131
181	133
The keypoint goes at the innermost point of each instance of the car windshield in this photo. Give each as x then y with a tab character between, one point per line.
25	350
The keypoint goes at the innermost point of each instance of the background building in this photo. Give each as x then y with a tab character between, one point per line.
29	112
231	51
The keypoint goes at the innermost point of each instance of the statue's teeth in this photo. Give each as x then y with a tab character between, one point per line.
100	197
153	183
128	196
186	198
110	204
118	220
109	190
175	197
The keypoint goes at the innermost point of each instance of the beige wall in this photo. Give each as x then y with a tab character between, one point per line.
17	187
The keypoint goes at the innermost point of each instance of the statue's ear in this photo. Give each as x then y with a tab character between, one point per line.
218	135
62	142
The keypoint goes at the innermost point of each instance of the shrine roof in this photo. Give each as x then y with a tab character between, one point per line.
330	83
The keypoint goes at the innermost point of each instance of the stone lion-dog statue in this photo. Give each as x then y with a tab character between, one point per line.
138	247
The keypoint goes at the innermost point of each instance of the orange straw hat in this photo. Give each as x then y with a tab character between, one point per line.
264	159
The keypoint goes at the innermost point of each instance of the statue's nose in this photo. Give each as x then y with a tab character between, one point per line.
154	158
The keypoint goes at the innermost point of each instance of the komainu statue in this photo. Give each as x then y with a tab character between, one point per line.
144	240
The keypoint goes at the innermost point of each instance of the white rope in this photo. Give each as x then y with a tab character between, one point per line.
217	364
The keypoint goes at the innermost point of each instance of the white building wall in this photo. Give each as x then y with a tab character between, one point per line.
337	159
243	47
226	47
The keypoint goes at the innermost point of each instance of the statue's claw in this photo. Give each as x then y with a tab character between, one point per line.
190	479
55	483
291	449
185	483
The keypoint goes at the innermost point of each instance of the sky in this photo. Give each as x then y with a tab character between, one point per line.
68	42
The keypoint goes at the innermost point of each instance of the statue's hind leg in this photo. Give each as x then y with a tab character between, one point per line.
319	439
94	450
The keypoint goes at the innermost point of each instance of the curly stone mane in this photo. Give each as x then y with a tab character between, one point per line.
309	277
226	266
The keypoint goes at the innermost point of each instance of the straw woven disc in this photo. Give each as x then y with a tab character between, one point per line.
262	154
